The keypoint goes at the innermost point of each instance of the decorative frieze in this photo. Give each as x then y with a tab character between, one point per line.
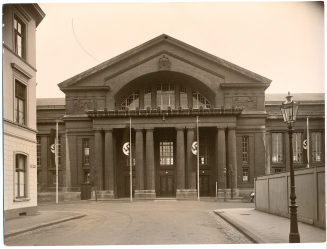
245	102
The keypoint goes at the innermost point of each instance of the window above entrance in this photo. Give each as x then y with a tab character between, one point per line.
165	96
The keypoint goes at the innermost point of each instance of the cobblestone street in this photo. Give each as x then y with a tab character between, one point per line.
137	223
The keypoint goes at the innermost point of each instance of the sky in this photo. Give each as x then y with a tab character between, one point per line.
283	41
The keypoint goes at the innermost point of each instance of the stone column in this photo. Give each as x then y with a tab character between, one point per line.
98	154
190	166
232	162
177	96
267	153
141	98
153	96
109	164
190	160
221	154
150	168
180	151
139	162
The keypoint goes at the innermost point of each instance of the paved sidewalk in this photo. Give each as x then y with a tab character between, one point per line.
41	219
261	227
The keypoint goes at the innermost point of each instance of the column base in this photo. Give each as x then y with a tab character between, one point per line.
186	194
103	195
145	194
72	196
227	193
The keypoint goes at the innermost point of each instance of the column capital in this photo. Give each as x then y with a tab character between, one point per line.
149	129
221	127
190	127
138	129
97	129
180	128
231	127
108	129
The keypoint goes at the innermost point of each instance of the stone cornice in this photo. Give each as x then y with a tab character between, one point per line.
20	70
245	85
85	88
158	112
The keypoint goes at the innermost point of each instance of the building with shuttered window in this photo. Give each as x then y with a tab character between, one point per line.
162	88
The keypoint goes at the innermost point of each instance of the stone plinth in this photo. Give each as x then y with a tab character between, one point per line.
145	194
190	194
103	195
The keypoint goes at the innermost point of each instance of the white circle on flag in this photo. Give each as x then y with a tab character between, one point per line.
194	148
126	148
52	148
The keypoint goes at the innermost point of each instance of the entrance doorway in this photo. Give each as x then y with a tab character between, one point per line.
165	162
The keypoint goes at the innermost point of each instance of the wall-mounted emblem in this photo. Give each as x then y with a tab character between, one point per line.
164	63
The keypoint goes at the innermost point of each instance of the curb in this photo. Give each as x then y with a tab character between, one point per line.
14	233
254	238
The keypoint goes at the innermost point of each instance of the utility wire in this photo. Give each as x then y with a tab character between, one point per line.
80	44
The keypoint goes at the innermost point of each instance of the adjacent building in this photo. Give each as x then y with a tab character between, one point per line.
19	107
171	93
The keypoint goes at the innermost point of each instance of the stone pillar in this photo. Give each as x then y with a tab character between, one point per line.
190	166
267	152
98	154
221	154
190	160
153	96
141	99
232	160
109	164
177	96
150	192
180	154
139	163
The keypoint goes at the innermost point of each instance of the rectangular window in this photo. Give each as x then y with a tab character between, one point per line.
183	98
277	147
204	151
297	147
316	143
38	151
165	96
278	170
147	98
20	176
19	33
86	151
245	149
245	175
20	103
166	153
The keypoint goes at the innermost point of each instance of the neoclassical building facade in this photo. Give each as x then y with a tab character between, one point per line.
165	89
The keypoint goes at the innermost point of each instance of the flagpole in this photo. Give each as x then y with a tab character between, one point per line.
56	160
130	161
198	156
308	144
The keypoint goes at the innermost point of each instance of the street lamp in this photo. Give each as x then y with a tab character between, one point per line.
289	110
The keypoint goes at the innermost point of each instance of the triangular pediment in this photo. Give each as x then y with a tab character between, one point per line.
166	45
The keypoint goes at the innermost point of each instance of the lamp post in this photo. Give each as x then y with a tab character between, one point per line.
289	110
